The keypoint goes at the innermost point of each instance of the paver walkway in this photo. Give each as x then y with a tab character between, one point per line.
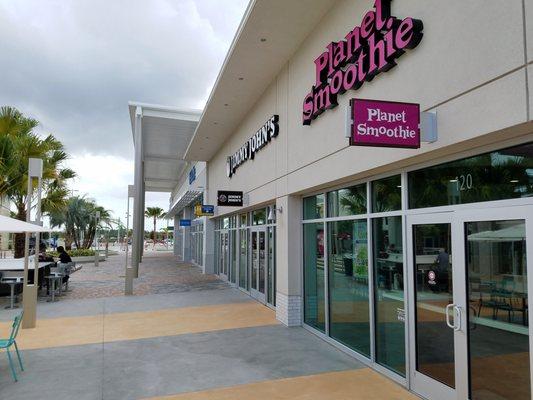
199	340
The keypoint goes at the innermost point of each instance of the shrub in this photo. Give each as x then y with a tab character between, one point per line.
75	253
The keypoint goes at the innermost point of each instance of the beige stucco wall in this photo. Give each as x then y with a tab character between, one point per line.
470	69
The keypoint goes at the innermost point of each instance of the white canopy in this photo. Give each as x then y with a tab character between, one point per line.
12	225
514	233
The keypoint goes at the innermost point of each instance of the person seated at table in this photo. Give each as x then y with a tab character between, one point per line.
64	258
43	257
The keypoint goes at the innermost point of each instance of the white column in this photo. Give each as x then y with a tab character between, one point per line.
138	207
289	260
177	248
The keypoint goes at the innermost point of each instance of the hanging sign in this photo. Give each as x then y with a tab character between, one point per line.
365	52
259	140
202	210
229	198
385	124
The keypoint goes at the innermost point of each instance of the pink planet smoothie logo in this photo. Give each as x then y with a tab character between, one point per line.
385	124
366	51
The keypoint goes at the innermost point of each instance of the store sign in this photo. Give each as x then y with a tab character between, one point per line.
185	222
259	140
385	124
365	52
230	199
202	210
192	175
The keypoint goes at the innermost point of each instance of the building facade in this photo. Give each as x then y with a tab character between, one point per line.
413	260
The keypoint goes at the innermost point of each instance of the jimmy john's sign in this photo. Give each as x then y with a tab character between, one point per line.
259	140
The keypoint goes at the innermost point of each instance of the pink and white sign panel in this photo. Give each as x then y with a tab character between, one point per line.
385	124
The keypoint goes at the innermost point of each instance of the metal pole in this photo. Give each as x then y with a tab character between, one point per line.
128	287
97	253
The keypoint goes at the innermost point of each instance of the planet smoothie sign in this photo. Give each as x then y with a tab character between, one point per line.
385	124
367	50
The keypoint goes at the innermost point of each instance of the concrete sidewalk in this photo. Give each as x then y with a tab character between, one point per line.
192	344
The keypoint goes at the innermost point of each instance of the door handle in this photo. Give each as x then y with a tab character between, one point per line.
448	307
457	318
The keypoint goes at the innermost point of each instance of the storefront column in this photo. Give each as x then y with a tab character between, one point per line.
209	246
187	214
289	260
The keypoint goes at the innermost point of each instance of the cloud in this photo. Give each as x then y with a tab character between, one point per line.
74	64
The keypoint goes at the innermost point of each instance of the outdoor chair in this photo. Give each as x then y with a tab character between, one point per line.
8	343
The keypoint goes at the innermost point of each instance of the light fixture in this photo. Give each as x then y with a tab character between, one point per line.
273	211
453	180
226	104
263	40
241	78
514	181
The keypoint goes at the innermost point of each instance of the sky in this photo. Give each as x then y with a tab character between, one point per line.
74	64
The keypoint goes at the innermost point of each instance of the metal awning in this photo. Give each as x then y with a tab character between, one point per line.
187	198
166	133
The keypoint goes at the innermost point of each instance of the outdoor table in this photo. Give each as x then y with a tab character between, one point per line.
12	281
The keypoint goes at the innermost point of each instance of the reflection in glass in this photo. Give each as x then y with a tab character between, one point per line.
387	194
389	293
435	355
503	174
314	207
314	298
271	298
233	249
255	265
262	261
498	312
349	201
348	284
243	257
259	217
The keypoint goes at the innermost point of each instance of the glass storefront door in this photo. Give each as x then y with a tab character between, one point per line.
468	315
223	254
258	254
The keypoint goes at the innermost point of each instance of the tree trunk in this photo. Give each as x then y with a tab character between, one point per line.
155	222
20	238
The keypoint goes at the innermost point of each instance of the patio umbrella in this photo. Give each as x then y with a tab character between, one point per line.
511	234
12	225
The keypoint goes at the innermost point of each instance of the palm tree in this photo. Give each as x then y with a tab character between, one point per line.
78	218
155	213
18	143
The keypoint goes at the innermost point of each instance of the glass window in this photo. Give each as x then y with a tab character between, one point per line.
498	335
259	217
435	353
387	194
271	298
503	174
225	223
389	293
314	298
233	249
348	284
243	259
243	220
314	207
349	201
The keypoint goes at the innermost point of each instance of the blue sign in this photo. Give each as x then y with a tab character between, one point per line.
192	175
207	209
185	222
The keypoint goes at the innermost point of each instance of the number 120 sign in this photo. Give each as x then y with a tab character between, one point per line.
385	124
